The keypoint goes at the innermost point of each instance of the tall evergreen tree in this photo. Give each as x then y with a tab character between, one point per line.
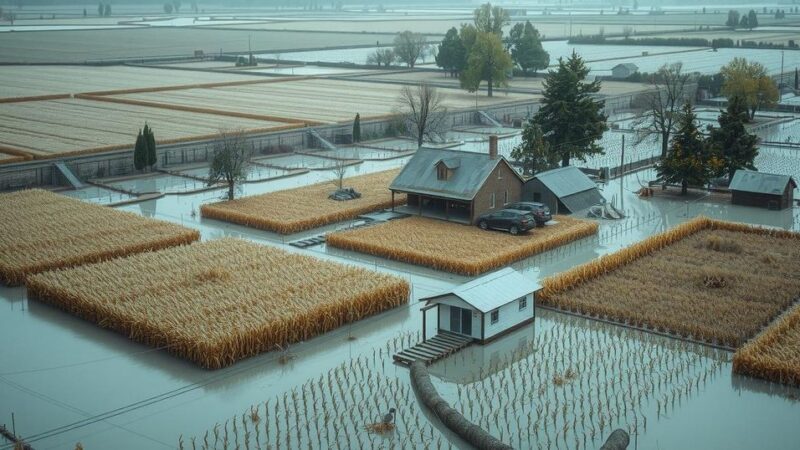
690	161
571	119
140	152
357	128
151	158
752	19
526	48
731	141
534	153
796	84
452	56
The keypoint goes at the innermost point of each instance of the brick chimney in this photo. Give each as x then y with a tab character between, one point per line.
493	146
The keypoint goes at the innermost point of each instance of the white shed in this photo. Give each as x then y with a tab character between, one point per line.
486	307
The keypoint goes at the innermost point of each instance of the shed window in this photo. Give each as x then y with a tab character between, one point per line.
491	201
441	172
523	303
495	316
505	198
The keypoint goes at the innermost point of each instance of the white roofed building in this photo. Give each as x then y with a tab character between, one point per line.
486	307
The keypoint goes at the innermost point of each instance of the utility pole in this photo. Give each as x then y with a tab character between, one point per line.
780	85
622	156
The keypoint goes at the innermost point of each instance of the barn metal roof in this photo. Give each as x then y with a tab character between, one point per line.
565	181
470	171
491	291
582	200
760	182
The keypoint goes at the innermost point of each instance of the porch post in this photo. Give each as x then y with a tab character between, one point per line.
447	209
424	328
419	204
392	201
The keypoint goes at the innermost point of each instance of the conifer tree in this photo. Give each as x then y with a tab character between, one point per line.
150	140
357	128
731	141
140	152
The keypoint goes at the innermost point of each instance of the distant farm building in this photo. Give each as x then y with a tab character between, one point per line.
622	71
764	190
486	307
564	190
457	185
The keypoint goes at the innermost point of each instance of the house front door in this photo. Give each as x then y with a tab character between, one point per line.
460	320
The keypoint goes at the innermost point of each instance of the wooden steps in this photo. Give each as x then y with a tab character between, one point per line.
442	345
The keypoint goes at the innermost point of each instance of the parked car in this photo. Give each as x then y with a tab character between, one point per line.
539	211
513	220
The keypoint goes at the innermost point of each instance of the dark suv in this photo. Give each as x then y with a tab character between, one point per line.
514	221
539	211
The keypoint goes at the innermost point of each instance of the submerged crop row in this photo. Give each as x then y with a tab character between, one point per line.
775	354
461	249
44	231
220	301
303	208
710	281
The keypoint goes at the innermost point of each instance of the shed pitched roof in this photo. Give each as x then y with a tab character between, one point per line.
492	291
470	171
565	181
760	182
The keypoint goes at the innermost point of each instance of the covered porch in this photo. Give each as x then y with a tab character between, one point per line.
436	208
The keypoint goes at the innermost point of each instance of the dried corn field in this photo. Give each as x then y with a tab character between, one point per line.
710	281
333	411
44	231
312	99
775	354
461	249
574	381
304	208
216	302
67	126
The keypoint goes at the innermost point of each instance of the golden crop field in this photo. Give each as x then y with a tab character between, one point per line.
457	248
712	281
44	231
30	81
219	301
57	127
775	354
303	208
310	99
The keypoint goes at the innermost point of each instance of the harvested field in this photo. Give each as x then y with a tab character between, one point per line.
57	127
219	301
307	207
775	354
310	99
707	280
456	248
45	231
27	81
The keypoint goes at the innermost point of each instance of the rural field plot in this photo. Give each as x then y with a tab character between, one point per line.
315	99
451	247
45	231
217	302
710	281
256	173
57	127
299	209
28	81
297	161
775	354
159	182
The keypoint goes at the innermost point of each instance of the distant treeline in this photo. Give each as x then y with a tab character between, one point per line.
683	42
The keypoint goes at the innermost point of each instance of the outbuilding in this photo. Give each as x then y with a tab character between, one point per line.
564	190
485	308
457	185
624	70
763	190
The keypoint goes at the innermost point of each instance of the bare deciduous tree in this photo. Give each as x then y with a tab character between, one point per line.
422	108
339	171
663	105
231	160
408	47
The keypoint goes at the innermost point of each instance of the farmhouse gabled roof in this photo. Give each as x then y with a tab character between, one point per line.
471	170
630	66
565	181
760	182
491	291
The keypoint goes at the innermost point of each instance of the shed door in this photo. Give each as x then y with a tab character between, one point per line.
460	320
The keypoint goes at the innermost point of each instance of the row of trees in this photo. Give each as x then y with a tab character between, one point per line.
695	159
748	21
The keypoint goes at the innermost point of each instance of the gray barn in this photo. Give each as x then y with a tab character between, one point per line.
564	190
764	190
624	70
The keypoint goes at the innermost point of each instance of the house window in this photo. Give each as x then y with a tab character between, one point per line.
491	201
441	172
495	316
523	303
505	198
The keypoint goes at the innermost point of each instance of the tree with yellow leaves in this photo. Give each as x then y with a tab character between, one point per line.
750	82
